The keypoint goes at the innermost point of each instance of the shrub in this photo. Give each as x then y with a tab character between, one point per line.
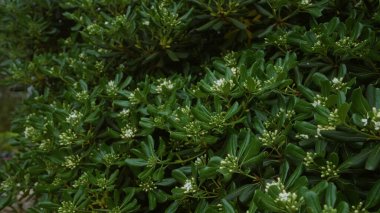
194	106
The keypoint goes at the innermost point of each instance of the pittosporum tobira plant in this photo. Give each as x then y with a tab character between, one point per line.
193	105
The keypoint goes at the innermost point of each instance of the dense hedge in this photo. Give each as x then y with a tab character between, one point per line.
193	105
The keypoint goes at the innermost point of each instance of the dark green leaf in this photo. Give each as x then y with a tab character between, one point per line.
237	23
136	162
373	198
228	208
232	111
331	195
359	103
312	202
373	159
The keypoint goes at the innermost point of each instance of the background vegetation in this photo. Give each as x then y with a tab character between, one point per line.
193	105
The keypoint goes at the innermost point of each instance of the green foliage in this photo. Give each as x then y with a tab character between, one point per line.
194	106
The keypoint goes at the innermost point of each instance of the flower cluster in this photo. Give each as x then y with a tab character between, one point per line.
319	101
329	171
99	66
200	161
373	118
82	95
230	163
124	113
221	84
111	88
254	85
190	186
194	129
67	138
309	159
305	2
116	209
359	208
278	184
302	136
74	117
328	209
337	83
7	184
94	29
110	158
72	161
102	182
230	59
133	96
128	132
67	207
279	40
148	185
347	42
82	180
269	138
168	18
333	118
164	84
45	145
288	201
31	133
324	128
235	71
57	181
217	120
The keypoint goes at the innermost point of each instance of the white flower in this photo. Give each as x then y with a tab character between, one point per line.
231	163
268	138
377	125
164	84
321	128
147	186
309	159
82	96
74	117
337	83
319	100
365	121
134	97
277	184
124	113
30	132
235	70
329	171
67	138
302	136
111	88
305	2
220	84
67	207
336	80
333	118
376	112
189	186
146	23
284	196
316	103
128	132
72	161
7	184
